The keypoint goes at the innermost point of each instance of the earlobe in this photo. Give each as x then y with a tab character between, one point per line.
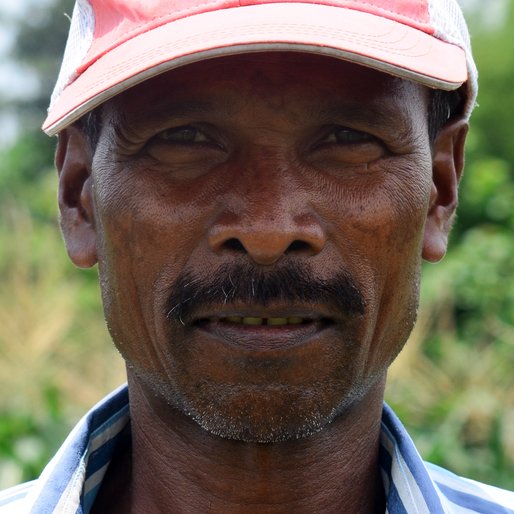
73	161
448	164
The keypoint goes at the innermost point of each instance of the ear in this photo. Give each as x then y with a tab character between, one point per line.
73	162
448	164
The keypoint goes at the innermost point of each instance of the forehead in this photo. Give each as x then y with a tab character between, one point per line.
308	82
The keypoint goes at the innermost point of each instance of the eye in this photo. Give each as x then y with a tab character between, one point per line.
186	134
187	151
345	136
338	146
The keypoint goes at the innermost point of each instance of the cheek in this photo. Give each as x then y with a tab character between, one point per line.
147	234
381	214
378	229
149	217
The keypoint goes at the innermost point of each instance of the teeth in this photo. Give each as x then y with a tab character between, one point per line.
255	321
277	321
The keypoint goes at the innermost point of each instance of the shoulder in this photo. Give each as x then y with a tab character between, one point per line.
13	500
468	496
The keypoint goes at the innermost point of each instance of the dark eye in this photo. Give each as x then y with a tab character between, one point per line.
344	135
337	145
186	134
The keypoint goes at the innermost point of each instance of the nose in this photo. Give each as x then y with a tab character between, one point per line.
265	241
267	223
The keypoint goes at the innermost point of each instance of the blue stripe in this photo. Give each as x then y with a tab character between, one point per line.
472	502
384	462
89	499
394	502
100	457
13	498
104	425
384	458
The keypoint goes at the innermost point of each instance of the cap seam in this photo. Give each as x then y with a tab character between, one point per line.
176	15
141	29
420	23
289	27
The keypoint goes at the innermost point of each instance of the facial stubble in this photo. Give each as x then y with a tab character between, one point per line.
262	412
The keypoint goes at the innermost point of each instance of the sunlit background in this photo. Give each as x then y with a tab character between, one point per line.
453	385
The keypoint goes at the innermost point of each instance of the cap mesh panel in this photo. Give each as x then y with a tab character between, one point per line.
449	24
79	41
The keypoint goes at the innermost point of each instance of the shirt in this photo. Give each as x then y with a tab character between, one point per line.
70	482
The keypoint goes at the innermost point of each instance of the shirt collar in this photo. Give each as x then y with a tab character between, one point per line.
70	482
408	486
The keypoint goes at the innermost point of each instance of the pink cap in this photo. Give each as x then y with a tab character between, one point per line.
115	44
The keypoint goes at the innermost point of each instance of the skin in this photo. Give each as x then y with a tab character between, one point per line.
272	162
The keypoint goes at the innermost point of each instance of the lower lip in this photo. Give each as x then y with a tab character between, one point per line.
264	337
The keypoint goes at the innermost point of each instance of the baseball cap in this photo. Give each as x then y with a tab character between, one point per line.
116	44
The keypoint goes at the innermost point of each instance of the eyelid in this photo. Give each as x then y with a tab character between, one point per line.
210	135
333	130
170	131
212	139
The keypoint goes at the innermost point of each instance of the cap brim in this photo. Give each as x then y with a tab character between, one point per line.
346	34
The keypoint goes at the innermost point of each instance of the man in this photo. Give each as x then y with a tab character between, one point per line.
258	184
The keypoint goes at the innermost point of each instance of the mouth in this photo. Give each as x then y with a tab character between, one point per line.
264	331
258	321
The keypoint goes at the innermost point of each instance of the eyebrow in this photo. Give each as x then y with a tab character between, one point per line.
365	116
368	115
144	119
163	111
380	120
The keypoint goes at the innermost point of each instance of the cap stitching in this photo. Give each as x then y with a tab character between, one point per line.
140	29
379	8
287	28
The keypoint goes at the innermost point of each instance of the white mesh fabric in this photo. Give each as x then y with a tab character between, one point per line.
79	41
450	26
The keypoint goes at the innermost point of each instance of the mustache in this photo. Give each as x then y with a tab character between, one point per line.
247	284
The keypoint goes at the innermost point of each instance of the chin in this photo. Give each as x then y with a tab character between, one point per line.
257	414
264	423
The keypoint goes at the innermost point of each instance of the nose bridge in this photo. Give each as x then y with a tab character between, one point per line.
268	213
267	189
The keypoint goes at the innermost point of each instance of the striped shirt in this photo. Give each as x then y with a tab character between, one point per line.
70	482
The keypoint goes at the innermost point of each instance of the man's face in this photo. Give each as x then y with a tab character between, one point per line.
259	226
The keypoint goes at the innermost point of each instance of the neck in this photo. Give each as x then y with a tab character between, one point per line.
176	466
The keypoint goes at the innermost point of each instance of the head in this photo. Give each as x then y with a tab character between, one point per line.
259	222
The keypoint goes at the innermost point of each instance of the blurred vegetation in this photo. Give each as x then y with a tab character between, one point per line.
56	358
453	385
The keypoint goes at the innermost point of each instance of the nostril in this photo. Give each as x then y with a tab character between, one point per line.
298	246
234	244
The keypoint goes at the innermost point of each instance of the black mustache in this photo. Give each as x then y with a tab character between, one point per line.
246	284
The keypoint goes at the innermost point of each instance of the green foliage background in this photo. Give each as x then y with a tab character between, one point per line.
453	385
